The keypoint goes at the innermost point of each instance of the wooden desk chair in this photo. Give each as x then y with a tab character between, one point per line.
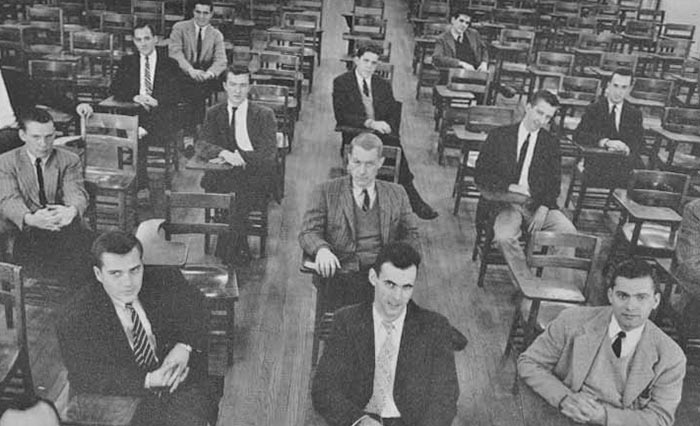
96	50
119	24
372	26
265	13
45	36
463	89
72	10
654	16
430	11
323	323
651	94
687	77
514	19
422	51
548	70
565	36
481	10
290	42
650	212
638	35
285	70
57	89
577	93
12	46
511	70
477	121
309	24
589	48
670	56
368	7
609	17
108	137
683	124
609	62
681	31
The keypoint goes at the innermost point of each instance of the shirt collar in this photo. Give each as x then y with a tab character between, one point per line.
522	132
619	106
44	160
242	105
632	337
152	57
397	323
360	78
456	35
357	190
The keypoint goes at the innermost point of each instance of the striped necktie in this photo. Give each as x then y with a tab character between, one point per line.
143	351
383	386
148	83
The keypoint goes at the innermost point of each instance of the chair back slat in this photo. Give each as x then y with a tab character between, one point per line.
682	120
482	118
658	188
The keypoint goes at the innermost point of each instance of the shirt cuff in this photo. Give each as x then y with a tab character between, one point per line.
360	419
187	347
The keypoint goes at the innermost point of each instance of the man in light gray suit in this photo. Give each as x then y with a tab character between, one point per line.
607	365
199	50
42	200
351	218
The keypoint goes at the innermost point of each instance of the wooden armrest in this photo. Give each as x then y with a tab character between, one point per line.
93	409
645	213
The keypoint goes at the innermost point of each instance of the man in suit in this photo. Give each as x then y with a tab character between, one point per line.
148	78
141	331
613	123
349	219
363	101
609	365
199	50
461	46
17	95
42	200
242	135
388	362
524	158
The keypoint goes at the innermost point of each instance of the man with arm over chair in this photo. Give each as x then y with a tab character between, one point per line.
388	361
363	101
607	365
139	331
461	46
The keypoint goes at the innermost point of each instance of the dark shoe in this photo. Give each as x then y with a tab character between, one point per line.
419	207
425	212
188	152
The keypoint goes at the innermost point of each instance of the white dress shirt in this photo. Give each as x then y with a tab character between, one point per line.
618	113
359	79
32	159
525	172
152	58
380	335
7	114
124	315
360	198
629	343
242	138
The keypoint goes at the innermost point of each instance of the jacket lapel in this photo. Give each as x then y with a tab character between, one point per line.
363	331
347	203
224	124
408	346
586	347
29	186
641	364
51	179
384	214
111	325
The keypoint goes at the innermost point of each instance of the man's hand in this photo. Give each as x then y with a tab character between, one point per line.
617	146
368	421
326	262
520	189
197	75
538	219
380	126
63	215
570	407
483	67
233	158
178	357
592	409
146	101
42	219
467	66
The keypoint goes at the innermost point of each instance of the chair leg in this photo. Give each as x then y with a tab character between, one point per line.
579	202
513	330
570	191
231	320
482	273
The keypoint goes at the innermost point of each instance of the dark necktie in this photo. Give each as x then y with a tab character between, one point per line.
40	178
365	200
522	155
617	343
148	83
460	39
365	87
232	128
612	118
143	351
199	46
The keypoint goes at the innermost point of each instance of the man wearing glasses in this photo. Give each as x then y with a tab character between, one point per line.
461	46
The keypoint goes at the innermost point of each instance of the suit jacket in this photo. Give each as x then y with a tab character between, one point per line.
497	165
95	348
445	53
126	83
558	361
349	110
19	188
425	385
20	90
183	47
329	220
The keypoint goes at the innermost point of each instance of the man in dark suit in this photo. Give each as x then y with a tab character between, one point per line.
524	158
17	95
390	361
42	201
363	101
242	135
614	124
141	331
199	50
461	46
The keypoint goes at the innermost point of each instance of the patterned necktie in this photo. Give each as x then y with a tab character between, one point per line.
365	87
523	154
617	343
148	83
365	200
143	351
40	179
383	386
199	46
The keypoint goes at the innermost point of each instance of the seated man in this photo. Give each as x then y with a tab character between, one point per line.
139	331
461	46
687	268
243	135
42	199
149	78
31	412
350	218
388	362
608	365
614	124
17	95
524	158
362	100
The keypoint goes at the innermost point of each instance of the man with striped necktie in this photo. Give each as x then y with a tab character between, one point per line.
142	332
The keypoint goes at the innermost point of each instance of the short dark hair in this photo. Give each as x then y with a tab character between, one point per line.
144	24
625	72
115	242
368	48
236	69
547	96
399	254
209	3
633	268
34	114
459	11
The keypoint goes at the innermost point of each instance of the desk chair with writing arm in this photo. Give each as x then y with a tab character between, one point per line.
349	132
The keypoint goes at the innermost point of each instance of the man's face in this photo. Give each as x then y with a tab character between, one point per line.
237	87
619	87
393	288
144	40
202	14
461	23
537	116
632	301
363	166
38	137
366	64
121	275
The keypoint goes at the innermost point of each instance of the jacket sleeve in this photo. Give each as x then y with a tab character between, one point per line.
313	226
345	113
12	205
187	311
72	185
407	222
207	147
553	183
488	173
589	130
443	390
483	47
442	56
264	153
175	48
120	84
220	62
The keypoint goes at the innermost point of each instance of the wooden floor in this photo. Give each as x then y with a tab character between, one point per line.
270	379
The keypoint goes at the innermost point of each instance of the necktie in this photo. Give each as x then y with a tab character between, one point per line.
199	46
365	87
40	178
613	122
148	83
617	343
143	351
365	200
460	39
522	155
383	386
232	124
